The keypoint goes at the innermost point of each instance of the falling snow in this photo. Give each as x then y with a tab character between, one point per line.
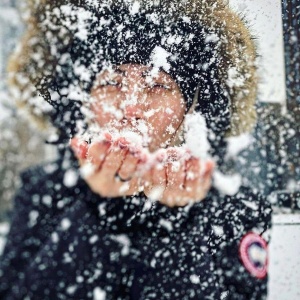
139	89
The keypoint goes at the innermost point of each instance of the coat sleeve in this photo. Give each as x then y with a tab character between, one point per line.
239	242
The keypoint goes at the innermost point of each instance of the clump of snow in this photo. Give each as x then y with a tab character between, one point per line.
101	209
148	204
153	263
159	59
33	215
211	38
174	39
124	187
47	200
93	239
134	131
124	241
166	223
156	193
135	8
224	295
70	178
195	134
170	129
250	204
87	169
83	20
195	279
79	279
71	289
235	78
65	224
218	230
186	19
99	294
50	168
4	228
54	237
134	138
238	143
227	184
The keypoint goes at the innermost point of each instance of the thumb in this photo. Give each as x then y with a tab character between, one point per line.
79	147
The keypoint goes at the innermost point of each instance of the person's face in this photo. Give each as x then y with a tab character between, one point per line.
131	97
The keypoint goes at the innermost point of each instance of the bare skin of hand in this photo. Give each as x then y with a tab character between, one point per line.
172	178
111	165
178	181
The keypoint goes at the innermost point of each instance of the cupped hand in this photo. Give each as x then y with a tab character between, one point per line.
116	168
178	178
108	166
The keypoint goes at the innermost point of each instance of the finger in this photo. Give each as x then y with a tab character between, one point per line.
209	167
135	186
174	191
129	166
175	175
130	161
157	181
198	179
80	148
179	202
207	175
97	153
192	178
113	161
159	175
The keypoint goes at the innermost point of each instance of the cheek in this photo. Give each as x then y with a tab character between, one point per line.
166	120
101	117
105	109
169	122
163	119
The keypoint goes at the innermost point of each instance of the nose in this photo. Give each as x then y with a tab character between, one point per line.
134	103
133	111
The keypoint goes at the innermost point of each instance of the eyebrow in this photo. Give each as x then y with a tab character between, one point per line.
121	72
161	75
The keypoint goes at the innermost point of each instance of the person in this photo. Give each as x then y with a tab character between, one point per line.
147	92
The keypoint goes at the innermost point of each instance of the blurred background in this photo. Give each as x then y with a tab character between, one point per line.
269	163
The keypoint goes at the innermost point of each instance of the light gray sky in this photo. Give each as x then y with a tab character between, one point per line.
266	22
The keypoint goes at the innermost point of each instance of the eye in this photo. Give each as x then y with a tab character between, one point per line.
157	86
110	85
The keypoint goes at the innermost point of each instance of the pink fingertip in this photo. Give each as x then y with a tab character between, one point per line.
161	155
80	148
107	137
209	167
123	143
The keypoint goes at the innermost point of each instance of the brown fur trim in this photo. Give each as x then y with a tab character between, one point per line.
238	54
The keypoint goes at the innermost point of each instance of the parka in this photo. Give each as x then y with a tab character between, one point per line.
67	242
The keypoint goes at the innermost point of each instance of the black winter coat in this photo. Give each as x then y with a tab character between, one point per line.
66	242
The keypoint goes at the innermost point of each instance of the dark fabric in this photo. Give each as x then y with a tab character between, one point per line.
69	243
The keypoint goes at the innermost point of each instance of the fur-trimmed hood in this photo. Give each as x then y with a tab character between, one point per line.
33	64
